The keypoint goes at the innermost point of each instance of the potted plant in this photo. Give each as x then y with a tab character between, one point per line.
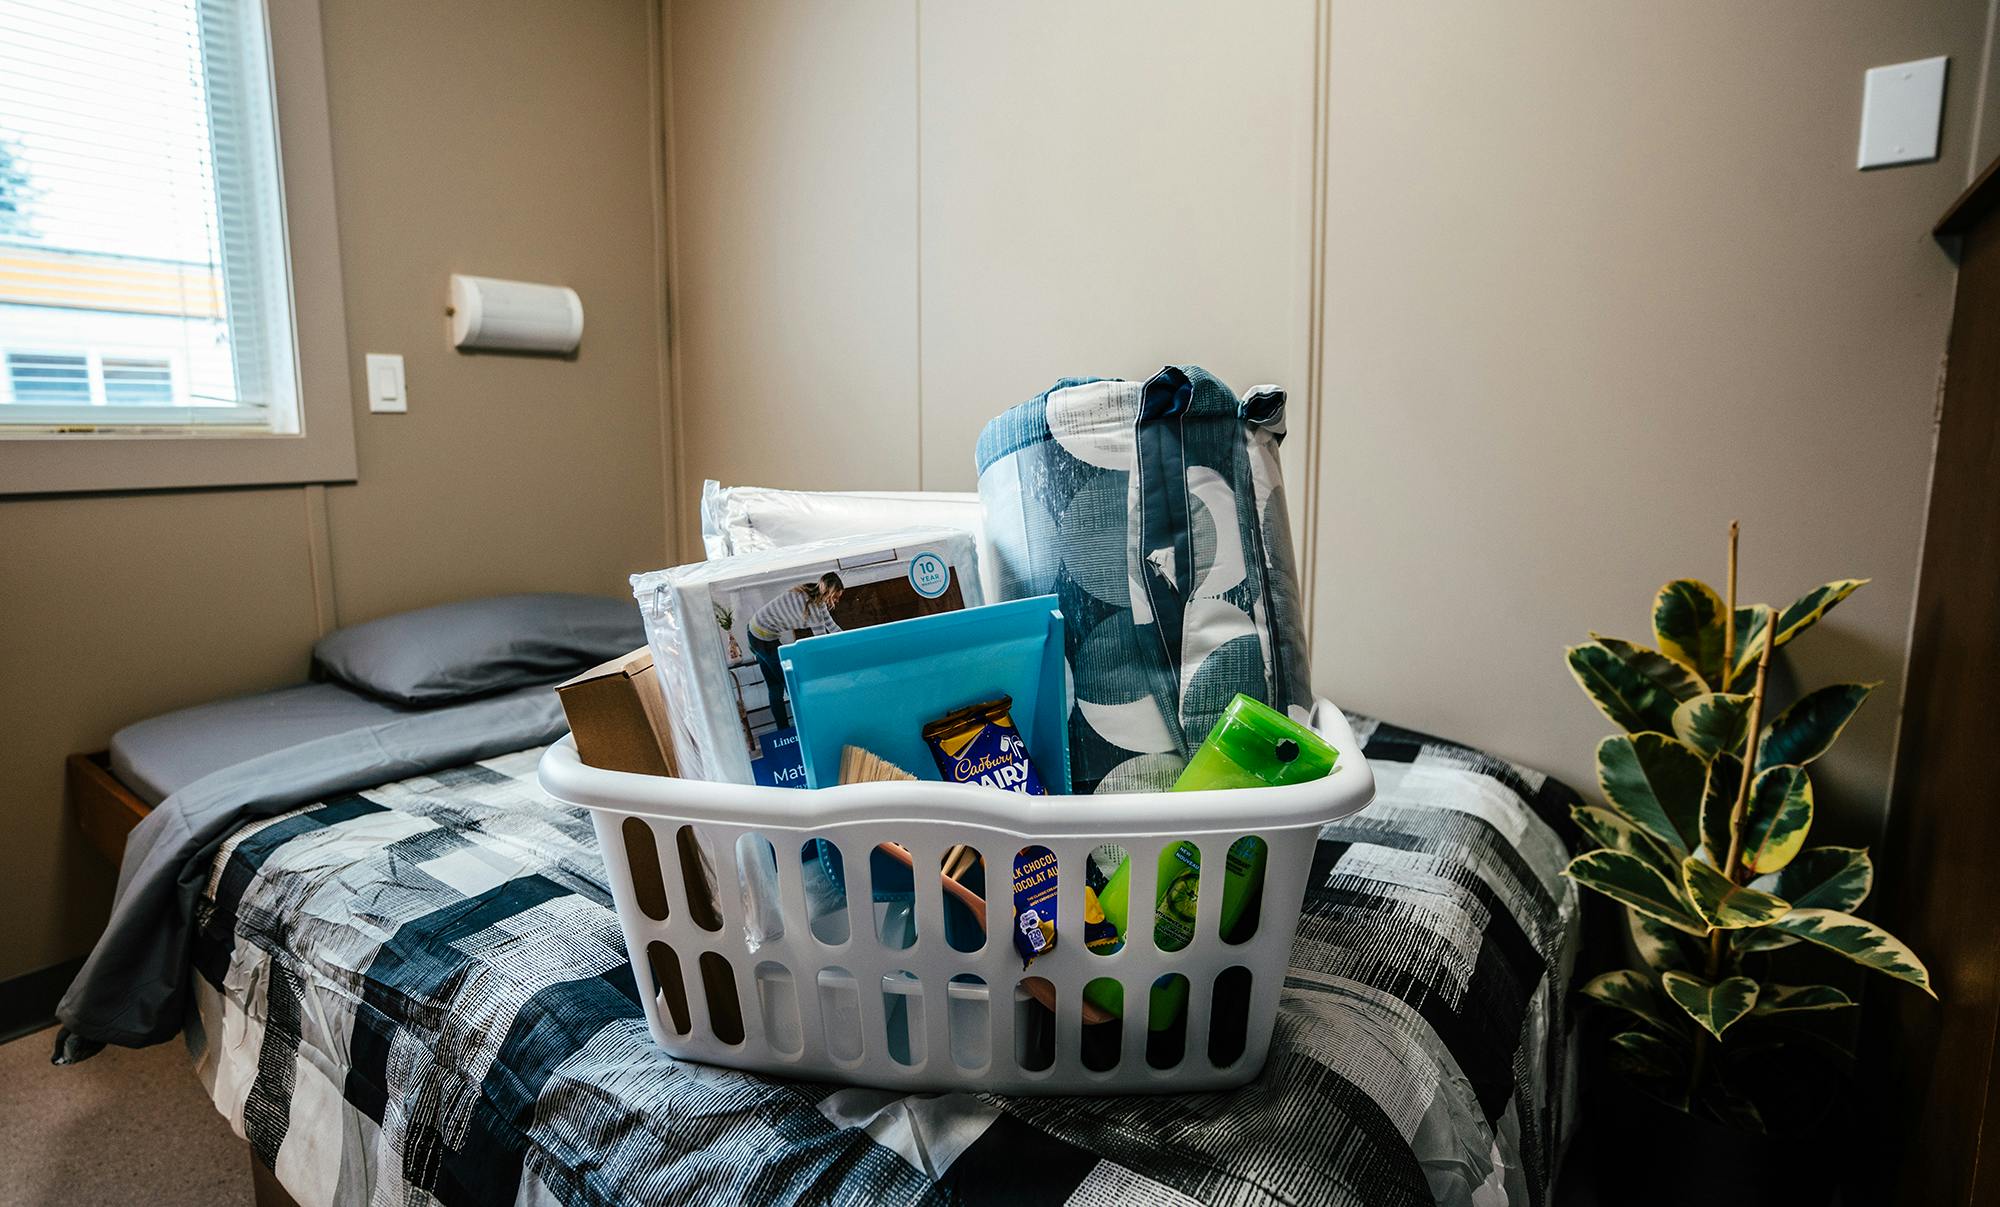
725	619
1700	833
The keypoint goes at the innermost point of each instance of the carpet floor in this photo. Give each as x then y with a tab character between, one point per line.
122	1127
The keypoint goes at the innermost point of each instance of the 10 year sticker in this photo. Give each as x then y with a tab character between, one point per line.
929	575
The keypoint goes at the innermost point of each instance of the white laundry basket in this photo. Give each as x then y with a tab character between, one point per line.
929	1017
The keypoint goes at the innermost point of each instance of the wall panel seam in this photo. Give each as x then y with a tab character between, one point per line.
656	80
319	559
1316	419
917	141
674	465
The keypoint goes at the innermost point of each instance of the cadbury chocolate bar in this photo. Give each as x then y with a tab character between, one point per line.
979	745
1034	902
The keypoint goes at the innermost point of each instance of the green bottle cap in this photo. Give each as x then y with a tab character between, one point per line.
1254	745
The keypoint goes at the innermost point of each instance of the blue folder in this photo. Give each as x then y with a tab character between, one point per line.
878	687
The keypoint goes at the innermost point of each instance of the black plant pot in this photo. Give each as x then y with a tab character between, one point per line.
1648	1154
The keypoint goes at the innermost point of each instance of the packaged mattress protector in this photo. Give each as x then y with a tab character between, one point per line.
716	629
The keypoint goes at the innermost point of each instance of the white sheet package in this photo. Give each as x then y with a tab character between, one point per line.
746	519
716	628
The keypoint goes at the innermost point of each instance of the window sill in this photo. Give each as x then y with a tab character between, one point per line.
99	462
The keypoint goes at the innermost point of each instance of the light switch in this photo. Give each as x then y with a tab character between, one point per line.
1900	107
385	384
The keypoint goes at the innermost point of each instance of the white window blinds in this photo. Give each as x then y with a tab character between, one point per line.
143	270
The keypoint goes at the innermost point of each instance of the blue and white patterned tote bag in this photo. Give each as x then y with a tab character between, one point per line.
1155	512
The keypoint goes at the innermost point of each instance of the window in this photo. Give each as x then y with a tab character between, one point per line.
138	381
171	312
144	264
33	378
90	378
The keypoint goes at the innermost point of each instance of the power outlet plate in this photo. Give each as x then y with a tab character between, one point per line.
1901	105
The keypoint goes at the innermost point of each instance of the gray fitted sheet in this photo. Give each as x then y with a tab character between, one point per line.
133	989
161	755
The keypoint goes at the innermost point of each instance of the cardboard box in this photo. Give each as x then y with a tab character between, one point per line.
619	716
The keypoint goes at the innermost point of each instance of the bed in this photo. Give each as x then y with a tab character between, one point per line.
113	790
159	756
396	965
418	992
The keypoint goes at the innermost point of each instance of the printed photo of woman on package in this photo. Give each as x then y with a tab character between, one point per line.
804	608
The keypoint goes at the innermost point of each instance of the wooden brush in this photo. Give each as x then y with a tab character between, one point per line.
861	766
858	766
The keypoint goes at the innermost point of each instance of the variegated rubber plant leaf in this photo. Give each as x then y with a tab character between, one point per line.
1836	878
1661	946
1808	608
1799	999
1761	938
1718	801
1633	882
1687	624
1655	782
1608	829
1677	679
1808	728
1776	818
1859	940
1751	621
1713	723
1796	619
1725	904
1658	1065
1716	1006
1632	701
1633	992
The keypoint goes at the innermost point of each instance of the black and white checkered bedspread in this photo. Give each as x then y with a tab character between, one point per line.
419	993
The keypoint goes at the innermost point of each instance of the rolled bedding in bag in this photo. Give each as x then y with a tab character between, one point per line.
1155	512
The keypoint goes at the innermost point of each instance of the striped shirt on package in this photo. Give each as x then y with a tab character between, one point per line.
789	612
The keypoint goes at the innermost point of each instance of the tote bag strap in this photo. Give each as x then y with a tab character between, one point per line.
1166	529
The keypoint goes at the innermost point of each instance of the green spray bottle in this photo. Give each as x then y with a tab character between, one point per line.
1251	746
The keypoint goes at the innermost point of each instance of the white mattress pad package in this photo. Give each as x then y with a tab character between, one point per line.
747	519
715	629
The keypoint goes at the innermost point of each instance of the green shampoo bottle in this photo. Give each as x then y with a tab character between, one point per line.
1251	746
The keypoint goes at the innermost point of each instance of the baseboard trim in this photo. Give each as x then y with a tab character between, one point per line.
28	1002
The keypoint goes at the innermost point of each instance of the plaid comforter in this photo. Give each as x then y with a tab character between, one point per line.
419	993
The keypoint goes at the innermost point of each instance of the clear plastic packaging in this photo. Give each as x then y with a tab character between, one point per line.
750	519
715	628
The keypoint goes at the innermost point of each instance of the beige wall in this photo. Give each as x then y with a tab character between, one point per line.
509	139
1601	278
892	220
794	208
1558	288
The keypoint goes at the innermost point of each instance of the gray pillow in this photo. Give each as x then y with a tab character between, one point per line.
478	646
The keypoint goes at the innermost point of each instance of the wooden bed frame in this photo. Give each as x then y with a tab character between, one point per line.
106	810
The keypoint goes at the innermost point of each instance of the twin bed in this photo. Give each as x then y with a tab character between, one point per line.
397	967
